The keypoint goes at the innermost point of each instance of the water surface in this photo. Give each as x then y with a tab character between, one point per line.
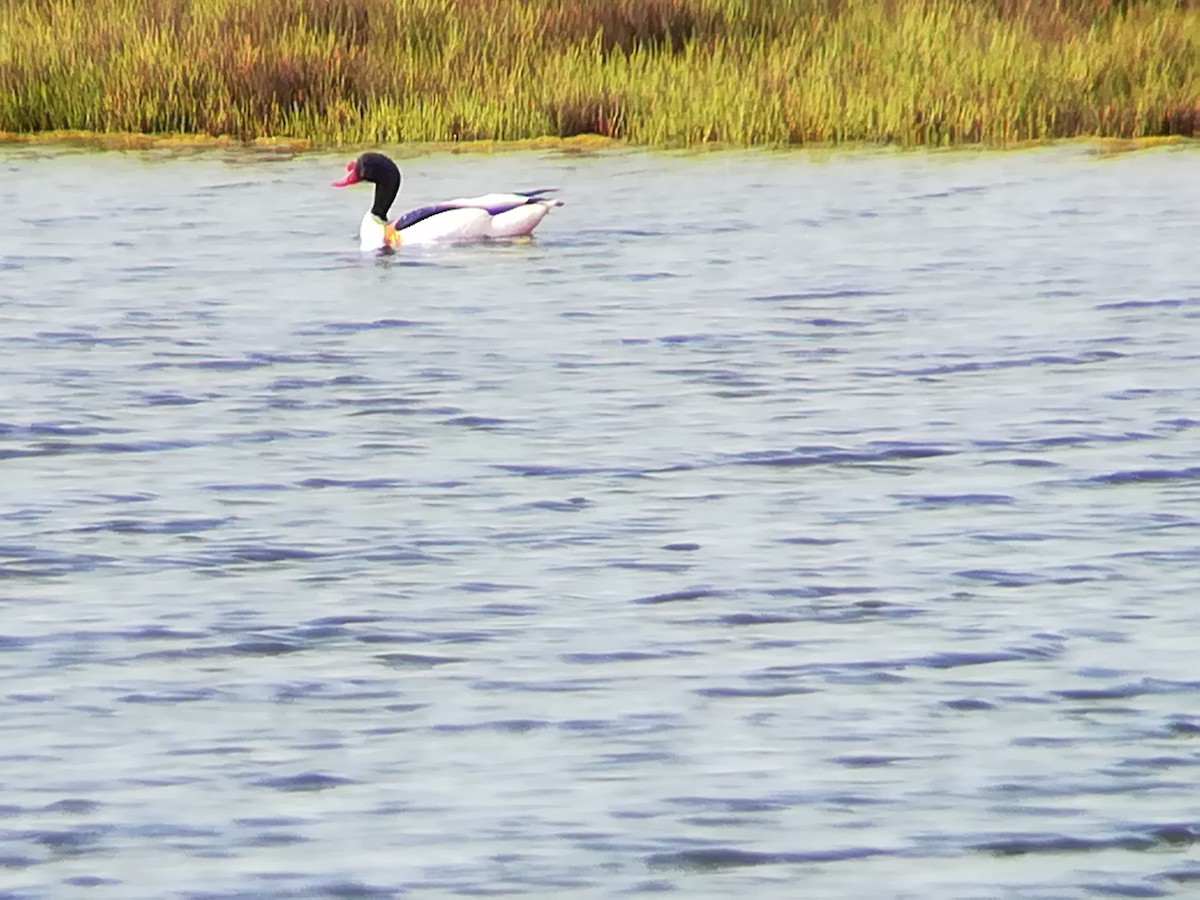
771	525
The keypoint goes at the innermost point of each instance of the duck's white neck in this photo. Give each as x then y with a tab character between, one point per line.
371	234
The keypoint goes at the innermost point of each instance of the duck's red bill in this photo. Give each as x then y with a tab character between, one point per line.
351	175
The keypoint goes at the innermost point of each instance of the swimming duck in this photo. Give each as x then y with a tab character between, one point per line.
464	219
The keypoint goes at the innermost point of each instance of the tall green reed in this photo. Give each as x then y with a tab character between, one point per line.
659	72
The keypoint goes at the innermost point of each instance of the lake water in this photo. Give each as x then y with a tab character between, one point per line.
769	526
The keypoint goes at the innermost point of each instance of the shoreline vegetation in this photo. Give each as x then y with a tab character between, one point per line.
585	74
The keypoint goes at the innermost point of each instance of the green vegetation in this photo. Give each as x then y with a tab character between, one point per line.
657	72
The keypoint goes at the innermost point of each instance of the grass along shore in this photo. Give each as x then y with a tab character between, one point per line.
650	72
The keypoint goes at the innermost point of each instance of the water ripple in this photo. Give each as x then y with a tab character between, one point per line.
840	541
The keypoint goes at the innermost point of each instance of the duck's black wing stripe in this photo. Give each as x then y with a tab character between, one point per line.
421	213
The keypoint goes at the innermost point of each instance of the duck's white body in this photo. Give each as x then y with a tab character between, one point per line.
461	219
489	216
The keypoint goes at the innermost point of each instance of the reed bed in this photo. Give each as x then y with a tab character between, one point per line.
652	72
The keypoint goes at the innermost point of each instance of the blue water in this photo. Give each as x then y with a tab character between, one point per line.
769	526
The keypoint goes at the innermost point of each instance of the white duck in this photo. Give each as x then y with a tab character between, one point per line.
464	219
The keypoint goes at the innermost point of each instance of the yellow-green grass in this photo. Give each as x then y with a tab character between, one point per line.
652	72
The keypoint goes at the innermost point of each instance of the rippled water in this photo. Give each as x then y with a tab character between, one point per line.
771	525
